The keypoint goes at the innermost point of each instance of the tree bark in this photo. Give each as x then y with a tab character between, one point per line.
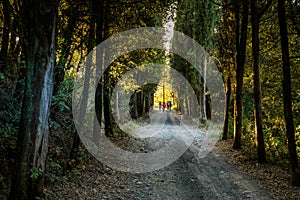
260	144
101	10
226	120
39	46
287	97
241	41
106	78
107	105
203	91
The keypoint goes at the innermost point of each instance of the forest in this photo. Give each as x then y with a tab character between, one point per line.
46	47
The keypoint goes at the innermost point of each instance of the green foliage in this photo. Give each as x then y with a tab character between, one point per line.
35	173
248	143
57	175
10	109
59	101
2	76
276	147
54	171
63	99
60	168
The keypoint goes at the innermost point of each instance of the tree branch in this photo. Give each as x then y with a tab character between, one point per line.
264	9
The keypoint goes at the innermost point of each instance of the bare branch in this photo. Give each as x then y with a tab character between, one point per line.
264	9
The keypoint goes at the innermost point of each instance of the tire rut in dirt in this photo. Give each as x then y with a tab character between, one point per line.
174	121
222	181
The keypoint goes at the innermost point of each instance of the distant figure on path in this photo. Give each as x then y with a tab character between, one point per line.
169	105
164	106
159	106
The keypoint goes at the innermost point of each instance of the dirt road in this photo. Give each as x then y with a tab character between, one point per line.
189	177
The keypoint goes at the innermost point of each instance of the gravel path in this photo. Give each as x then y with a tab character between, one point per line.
189	177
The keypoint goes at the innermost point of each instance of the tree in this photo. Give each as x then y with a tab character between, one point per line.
226	120
39	22
101	15
226	55
197	19
72	13
205	18
255	16
241	42
287	98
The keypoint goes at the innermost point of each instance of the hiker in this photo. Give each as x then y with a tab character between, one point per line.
164	106
169	105
159	106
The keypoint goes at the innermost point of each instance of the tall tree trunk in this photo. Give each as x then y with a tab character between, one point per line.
84	101
187	103
241	41
117	106
82	108
181	106
106	79
138	103
226	120
134	109
227	53
203	91
39	46
59	72
260	144
287	97
107	105
100	6
143	102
